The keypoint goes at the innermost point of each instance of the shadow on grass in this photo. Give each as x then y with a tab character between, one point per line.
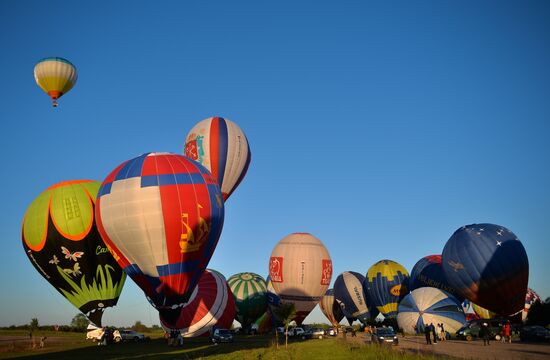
155	349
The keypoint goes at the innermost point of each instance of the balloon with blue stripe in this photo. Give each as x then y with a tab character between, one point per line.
348	290
386	284
428	305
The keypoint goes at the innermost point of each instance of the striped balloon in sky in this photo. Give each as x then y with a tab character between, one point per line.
211	304
222	147
386	284
56	76
250	293
331	308
161	216
428	305
348	290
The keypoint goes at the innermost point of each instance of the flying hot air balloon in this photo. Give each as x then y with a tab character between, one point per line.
488	265
428	272
250	294
56	76
428	305
330	308
300	269
61	239
161	215
386	283
222	147
348	290
211	305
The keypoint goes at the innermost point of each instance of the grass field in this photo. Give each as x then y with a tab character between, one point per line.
74	346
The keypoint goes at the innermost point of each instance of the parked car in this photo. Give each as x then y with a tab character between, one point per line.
128	335
332	332
221	336
314	333
471	329
297	331
384	336
534	333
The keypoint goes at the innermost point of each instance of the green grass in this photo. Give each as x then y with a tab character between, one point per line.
74	346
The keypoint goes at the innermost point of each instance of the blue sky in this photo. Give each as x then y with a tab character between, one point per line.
379	127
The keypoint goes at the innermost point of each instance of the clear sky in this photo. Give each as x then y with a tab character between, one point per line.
378	126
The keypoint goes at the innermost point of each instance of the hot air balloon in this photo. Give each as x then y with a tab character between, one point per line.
483	313
300	269
250	291
331	308
428	272
386	284
161	216
221	146
488	265
428	305
61	239
56	76
348	290
530	298
211	304
273	302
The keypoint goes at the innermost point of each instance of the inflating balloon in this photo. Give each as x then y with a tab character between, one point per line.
221	146
56	76
61	239
161	215
300	269
348	290
488	265
427	305
250	294
211	305
483	313
428	272
386	284
331	308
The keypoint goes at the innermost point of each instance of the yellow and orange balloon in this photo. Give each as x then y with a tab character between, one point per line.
56	76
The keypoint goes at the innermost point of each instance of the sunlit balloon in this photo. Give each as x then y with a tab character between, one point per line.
250	294
386	284
300	269
61	239
222	147
482	313
211	305
428	305
56	76
488	265
348	290
161	215
428	271
331	308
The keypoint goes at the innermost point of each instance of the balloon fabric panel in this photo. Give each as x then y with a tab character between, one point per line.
348	289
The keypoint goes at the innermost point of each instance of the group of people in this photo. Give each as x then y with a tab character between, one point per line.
174	338
437	333
107	337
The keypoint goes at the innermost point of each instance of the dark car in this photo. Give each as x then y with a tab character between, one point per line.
471	329
534	333
221	336
315	333
384	336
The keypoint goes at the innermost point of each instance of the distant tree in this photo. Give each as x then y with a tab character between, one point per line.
286	312
79	322
33	326
139	326
539	313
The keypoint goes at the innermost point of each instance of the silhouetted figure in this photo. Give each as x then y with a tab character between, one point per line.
427	334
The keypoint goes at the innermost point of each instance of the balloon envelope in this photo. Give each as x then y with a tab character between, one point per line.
250	294
331	308
428	272
56	76
161	215
488	265
386	283
211	304
348	290
300	269
222	147
61	239
428	305
482	313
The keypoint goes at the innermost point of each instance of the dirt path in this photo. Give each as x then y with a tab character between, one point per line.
469	349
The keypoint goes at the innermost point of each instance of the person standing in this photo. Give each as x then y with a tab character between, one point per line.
443	336
507	332
427	334
434	334
484	333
